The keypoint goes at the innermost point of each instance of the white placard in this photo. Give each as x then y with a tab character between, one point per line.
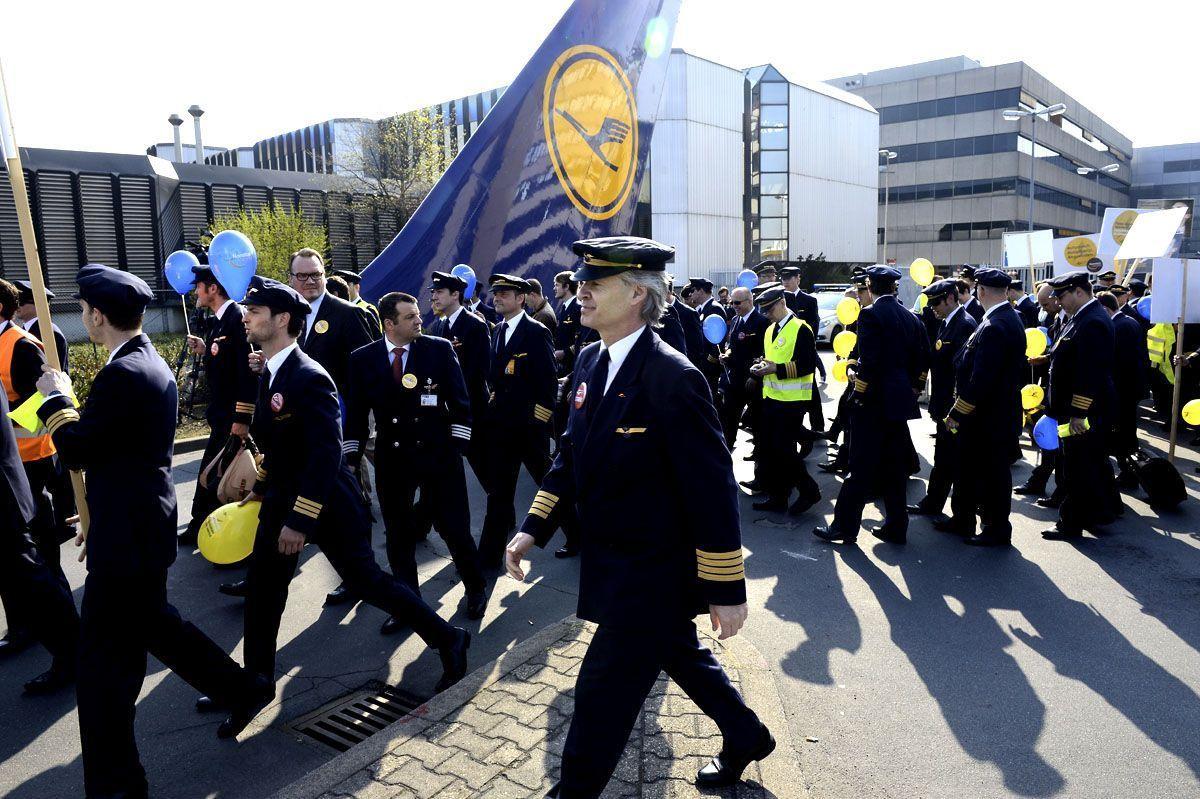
1116	225
1168	290
1080	254
1018	247
1153	234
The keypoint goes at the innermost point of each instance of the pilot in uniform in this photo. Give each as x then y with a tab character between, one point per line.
123	439
415	388
642	429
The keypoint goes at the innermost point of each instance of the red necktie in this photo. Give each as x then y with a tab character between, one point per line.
398	363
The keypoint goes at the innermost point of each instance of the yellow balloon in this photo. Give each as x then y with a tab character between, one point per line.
844	342
1032	396
1035	342
922	301
847	311
839	371
227	535
1191	412
921	271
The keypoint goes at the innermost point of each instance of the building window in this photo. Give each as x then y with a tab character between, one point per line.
773	161
773	183
772	205
773	138
773	93
774	116
774	228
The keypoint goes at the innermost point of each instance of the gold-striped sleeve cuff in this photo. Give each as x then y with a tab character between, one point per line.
260	472
542	413
543	504
307	507
860	386
243	407
963	407
1078	402
61	417
921	378
790	370
720	567
851	361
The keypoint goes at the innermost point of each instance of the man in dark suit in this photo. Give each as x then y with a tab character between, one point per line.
969	303
354	284
744	347
706	306
309	494
1082	399
986	416
893	356
1125	307
955	328
518	418
231	385
693	332
1025	306
1053	319
27	315
415	388
567	330
335	327
643	429
805	307
480	308
131	541
1132	362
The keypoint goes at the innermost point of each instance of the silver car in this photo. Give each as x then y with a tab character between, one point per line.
828	298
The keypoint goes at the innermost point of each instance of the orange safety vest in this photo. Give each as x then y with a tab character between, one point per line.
31	446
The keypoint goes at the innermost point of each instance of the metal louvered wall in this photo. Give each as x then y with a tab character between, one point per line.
12	257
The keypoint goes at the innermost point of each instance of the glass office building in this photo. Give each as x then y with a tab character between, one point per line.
1169	173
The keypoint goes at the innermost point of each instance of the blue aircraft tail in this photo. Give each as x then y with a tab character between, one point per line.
559	158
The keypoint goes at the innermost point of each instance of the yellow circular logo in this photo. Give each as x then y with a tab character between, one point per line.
590	121
1079	251
409	380
321	327
1121	225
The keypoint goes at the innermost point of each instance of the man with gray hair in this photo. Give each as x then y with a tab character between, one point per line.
642	428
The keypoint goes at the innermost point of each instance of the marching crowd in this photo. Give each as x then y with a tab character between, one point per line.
615	399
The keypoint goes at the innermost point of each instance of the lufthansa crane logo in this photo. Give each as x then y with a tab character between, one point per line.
590	120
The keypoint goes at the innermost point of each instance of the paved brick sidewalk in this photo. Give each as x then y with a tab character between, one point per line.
500	732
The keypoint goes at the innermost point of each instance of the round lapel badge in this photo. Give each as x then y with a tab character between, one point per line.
409	380
321	327
580	395
213	349
277	402
938	346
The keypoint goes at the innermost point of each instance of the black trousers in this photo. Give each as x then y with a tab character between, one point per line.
780	467
508	450
1162	390
985	482
205	501
443	486
617	673
815	413
124	618
37	597
46	534
1090	496
943	474
737	399
880	459
345	541
1124	438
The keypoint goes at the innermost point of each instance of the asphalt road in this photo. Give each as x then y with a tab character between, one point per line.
929	670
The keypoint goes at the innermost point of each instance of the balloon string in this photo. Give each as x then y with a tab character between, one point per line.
186	324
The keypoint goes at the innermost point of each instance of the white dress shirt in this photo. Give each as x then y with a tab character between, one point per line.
392	352
512	326
224	305
452	318
312	315
276	361
617	354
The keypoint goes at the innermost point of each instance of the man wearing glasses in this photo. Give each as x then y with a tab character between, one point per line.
743	348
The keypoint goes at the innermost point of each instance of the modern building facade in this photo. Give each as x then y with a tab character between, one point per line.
1170	173
959	178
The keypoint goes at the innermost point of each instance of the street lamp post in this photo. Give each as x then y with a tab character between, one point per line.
885	155
1016	115
1091	170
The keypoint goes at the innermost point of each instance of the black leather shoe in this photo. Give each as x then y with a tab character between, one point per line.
1026	489
233	589
566	552
1057	534
985	540
338	596
476	604
950	525
753	486
771	506
49	682
921	509
206	704
831	535
801	506
15	641
391	626
1049	502
454	660
833	467
240	717
727	767
883	534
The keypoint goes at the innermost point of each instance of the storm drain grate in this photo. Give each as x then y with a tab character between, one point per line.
352	719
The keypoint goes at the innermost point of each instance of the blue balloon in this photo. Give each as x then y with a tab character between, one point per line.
468	274
747	279
234	261
1143	308
1045	433
178	271
715	327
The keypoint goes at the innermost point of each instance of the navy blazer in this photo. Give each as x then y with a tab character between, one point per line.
404	427
123	440
523	376
990	370
64	352
1028	309
338	329
469	338
892	359
671	330
974	308
693	333
646	560
1081	367
804	305
566	333
951	335
16	501
746	344
1132	370
232	387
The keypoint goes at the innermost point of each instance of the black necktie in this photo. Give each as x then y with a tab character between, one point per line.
599	380
265	385
501	331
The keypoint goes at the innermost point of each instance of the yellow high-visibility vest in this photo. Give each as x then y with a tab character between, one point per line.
1160	341
794	388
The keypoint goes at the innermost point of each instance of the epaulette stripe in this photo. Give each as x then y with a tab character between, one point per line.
722	578
535	511
547	495
303	511
733	553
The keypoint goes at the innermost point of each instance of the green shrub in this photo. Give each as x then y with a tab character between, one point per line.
276	233
87	359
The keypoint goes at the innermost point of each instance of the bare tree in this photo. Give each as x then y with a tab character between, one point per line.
397	161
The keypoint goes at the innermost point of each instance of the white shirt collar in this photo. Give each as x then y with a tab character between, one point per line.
1085	305
569	300
746	316
276	360
30	322
452	318
5	325
988	312
957	308
512	326
316	306
224	305
112	355
618	352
